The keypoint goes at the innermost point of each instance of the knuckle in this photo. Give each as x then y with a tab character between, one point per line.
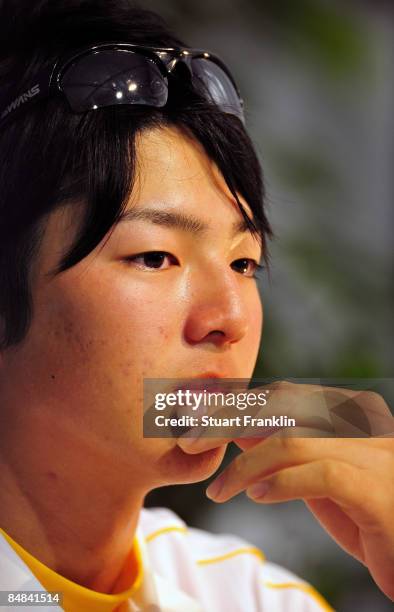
291	445
281	383
332	472
279	480
372	399
240	466
370	396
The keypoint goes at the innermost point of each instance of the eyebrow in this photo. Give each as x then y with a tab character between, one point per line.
178	220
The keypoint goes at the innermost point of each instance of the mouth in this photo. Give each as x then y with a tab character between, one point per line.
207	381
203	395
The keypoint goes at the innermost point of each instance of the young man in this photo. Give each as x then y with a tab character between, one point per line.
132	223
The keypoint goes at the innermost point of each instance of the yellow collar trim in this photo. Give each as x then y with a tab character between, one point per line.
75	596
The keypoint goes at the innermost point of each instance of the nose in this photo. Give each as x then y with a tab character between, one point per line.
218	312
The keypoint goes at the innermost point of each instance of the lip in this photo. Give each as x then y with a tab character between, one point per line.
200	385
203	381
209	375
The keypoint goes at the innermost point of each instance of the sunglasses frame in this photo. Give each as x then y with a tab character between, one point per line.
48	81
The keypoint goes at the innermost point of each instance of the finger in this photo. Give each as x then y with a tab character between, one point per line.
277	453
309	406
319	479
199	443
193	446
246	443
221	415
198	439
339	525
326	479
348	412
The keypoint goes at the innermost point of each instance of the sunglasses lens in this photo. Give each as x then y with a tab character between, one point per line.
110	77
217	86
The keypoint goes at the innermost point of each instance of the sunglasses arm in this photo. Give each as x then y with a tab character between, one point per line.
16	102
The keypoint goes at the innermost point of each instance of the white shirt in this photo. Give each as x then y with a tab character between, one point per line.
189	570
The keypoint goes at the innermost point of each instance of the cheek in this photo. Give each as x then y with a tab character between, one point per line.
251	341
256	317
107	325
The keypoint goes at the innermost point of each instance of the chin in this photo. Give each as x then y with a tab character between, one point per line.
183	468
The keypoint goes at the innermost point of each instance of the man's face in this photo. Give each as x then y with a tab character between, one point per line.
102	326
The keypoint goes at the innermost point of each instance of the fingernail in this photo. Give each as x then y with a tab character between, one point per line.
215	487
188	442
191	442
258	490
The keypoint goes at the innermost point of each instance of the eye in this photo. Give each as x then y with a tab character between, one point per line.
152	260
247	267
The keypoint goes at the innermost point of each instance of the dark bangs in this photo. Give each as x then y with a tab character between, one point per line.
102	173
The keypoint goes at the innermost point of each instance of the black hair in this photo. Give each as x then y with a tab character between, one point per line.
50	156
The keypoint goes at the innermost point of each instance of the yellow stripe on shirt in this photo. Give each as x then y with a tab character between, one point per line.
164	530
306	588
246	550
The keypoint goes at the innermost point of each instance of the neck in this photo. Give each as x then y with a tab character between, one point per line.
66	504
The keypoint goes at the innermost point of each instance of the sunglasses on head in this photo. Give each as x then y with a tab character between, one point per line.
110	74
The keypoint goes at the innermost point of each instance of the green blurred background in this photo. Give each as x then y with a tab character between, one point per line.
317	77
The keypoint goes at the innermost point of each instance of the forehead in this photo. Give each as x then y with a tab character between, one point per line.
175	166
174	177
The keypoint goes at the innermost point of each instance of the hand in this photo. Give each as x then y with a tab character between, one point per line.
348	484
